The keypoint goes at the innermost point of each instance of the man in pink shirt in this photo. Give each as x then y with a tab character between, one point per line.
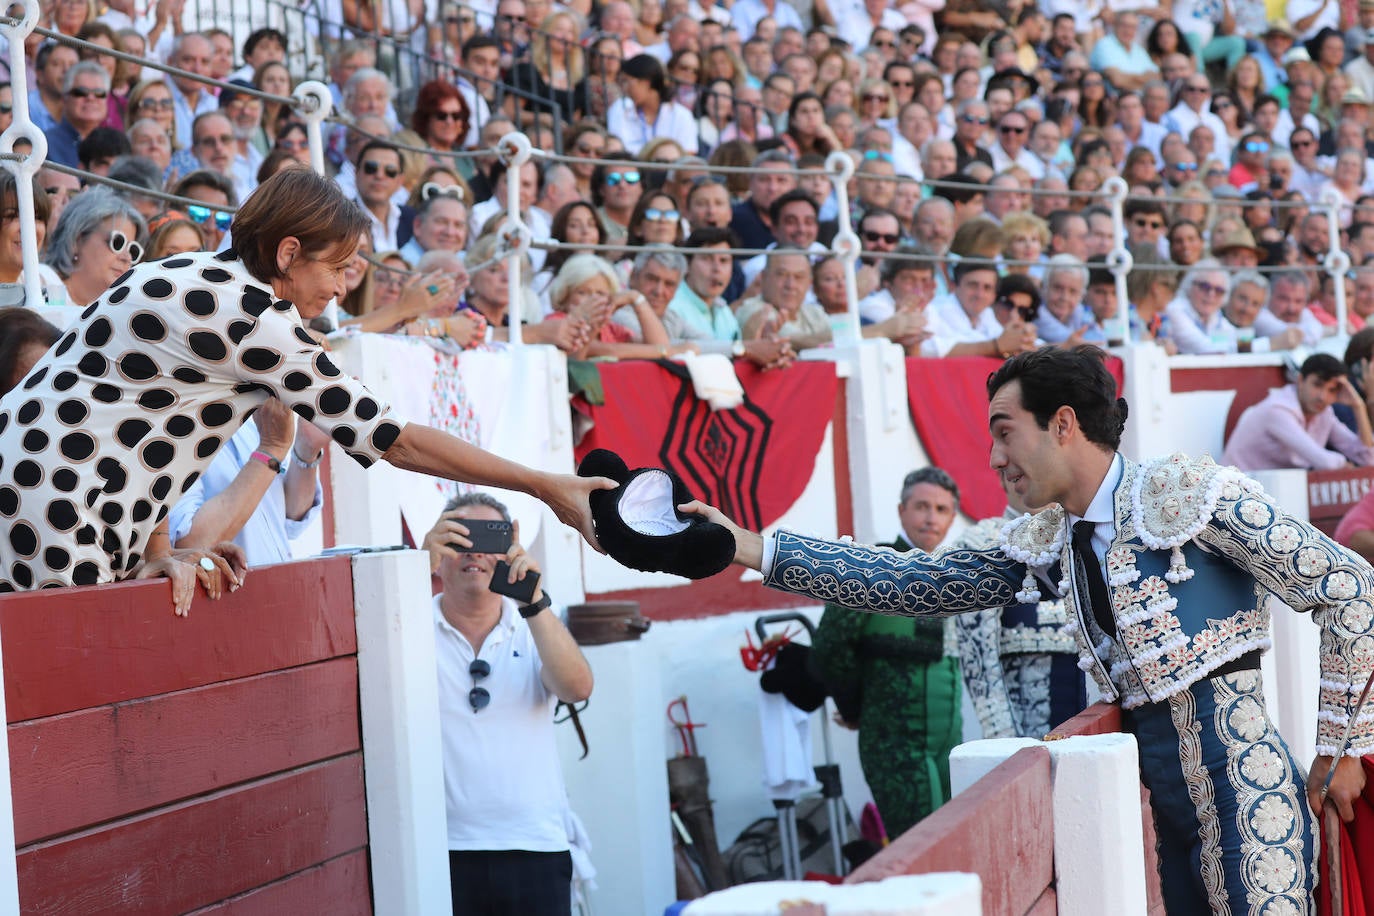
1295	427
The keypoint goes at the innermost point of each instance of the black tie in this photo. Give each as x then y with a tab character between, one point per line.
1089	571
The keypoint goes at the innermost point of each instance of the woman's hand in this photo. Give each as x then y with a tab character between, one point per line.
572	335
466	329
183	576
568	496
221	564
424	293
227	562
310	441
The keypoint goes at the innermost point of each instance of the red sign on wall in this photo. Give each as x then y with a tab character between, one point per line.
1331	494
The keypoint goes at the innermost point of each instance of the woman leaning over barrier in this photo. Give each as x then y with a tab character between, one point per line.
121	416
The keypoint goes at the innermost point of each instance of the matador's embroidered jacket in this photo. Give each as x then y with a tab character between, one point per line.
985	636
1198	548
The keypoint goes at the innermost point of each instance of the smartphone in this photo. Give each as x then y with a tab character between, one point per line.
486	536
522	591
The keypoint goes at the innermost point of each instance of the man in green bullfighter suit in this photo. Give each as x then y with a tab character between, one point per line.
897	679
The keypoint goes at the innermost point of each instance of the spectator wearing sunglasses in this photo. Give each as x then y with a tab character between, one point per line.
656	220
214	213
1013	132
442	117
93	243
85	95
970	124
379	166
1192	109
1196	322
615	191
245	114
501	666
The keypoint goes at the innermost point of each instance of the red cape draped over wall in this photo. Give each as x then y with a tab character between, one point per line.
949	405
751	462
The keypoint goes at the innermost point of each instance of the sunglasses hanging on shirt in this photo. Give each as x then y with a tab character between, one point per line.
479	697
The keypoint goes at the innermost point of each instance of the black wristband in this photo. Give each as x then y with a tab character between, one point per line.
529	610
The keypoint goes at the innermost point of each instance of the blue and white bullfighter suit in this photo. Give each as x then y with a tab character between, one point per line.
1193	551
1020	662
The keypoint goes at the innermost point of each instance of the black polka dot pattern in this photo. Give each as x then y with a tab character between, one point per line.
134	402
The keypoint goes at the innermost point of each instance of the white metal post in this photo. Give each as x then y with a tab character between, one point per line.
23	128
1119	259
846	247
315	105
1337	262
516	151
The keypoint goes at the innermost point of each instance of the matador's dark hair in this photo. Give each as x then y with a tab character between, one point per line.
1052	377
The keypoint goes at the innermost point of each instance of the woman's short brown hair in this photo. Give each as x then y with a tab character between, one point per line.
293	203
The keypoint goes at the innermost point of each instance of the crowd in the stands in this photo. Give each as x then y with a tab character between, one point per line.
979	133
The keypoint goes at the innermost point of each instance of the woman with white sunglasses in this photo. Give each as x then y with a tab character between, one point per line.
95	241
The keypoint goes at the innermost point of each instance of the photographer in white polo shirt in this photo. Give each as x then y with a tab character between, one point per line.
502	665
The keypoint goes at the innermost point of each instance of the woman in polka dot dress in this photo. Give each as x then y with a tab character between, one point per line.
119	418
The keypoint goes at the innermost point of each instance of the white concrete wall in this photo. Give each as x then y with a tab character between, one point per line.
1099	851
399	707
936	894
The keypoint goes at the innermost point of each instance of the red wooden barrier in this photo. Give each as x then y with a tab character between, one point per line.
207	764
1001	827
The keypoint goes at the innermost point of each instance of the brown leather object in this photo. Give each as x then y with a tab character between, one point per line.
596	623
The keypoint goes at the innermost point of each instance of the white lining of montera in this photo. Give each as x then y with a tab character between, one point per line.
647	505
